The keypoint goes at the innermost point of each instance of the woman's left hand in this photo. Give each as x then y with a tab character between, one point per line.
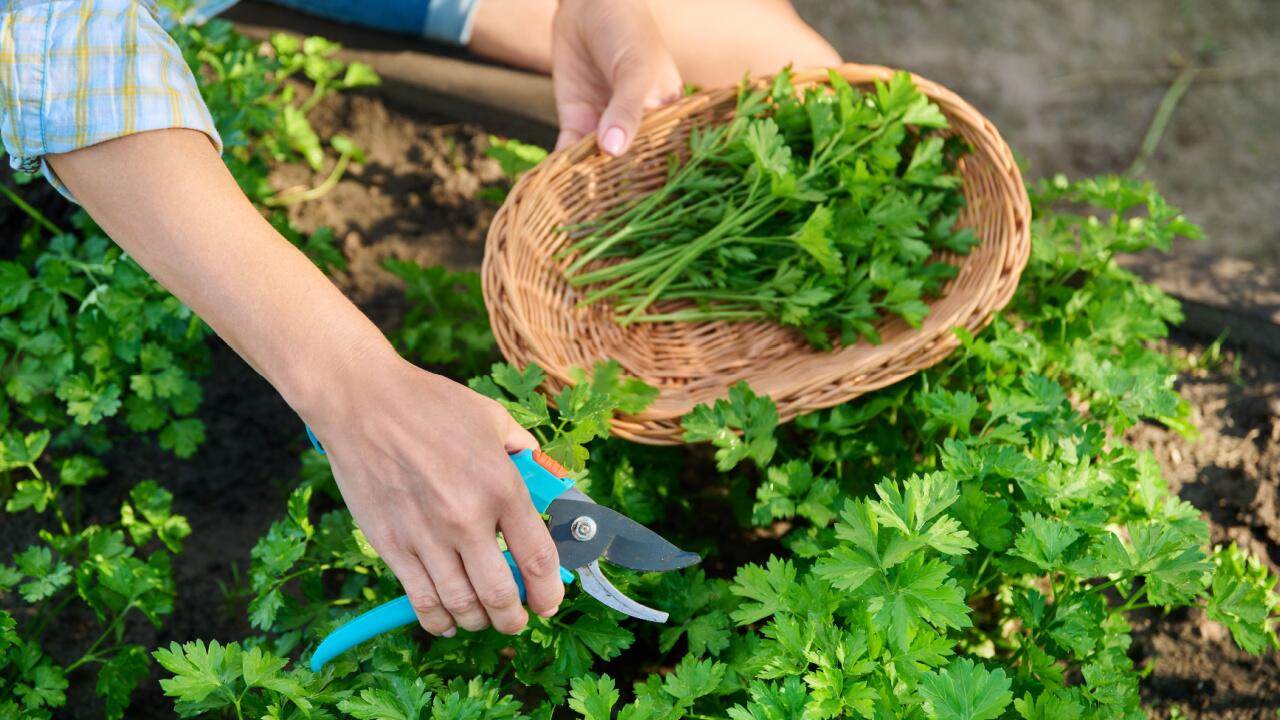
608	64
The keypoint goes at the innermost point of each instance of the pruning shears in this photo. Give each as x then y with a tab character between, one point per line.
583	532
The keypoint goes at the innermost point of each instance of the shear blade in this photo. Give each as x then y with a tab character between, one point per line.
618	538
649	552
595	584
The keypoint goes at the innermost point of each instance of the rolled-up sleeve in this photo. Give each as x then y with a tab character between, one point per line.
74	73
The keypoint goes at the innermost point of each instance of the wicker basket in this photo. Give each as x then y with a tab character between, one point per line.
535	318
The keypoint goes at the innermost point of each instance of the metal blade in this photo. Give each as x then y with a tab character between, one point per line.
647	552
616	537
598	586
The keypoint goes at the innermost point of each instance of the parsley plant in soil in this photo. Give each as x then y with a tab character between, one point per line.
973	542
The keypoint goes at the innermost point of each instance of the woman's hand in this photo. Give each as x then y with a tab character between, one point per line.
608	64
422	464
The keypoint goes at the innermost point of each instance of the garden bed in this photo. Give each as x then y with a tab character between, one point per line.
418	197
1232	473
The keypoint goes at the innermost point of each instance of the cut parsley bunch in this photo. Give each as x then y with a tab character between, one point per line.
818	210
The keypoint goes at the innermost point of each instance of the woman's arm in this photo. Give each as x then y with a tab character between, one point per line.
420	460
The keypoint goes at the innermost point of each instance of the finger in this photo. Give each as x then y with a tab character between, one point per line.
577	120
636	88
535	554
567	137
454	587
517	438
493	583
411	573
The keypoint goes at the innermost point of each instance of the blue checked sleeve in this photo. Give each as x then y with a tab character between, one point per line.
74	74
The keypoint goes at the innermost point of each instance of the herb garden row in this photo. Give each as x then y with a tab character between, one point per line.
971	543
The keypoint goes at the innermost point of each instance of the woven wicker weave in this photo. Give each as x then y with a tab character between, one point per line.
533	311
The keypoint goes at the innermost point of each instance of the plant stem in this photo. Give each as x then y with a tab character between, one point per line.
47	615
318	93
31	212
1131	602
700	316
316	192
89	655
695	249
1161	120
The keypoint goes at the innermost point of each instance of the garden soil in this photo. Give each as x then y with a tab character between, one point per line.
416	197
1232	474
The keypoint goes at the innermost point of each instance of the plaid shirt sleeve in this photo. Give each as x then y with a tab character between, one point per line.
73	74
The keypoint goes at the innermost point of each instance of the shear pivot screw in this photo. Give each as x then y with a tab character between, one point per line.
583	528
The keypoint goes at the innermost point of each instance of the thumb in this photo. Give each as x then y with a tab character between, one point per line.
517	438
637	87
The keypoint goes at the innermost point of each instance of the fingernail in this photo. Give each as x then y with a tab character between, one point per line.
450	632
613	140
550	612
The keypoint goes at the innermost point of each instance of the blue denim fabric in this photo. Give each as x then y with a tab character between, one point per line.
446	21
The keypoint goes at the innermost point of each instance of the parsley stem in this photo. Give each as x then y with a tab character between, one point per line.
1105	585
47	615
89	655
699	316
318	191
1164	112
982	569
1131	602
31	212
297	574
318	93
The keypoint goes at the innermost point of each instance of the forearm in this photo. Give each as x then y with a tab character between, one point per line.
166	198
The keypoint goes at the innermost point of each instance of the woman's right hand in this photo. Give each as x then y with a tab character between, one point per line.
423	465
420	460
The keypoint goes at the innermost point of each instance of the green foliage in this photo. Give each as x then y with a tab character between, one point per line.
583	411
118	570
969	544
87	336
819	210
515	158
447	324
1244	599
740	427
257	113
963	691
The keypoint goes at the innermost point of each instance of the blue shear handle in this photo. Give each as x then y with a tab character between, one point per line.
387	617
544	484
544	487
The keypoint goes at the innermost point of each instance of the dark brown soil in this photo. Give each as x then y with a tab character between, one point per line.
1232	473
414	198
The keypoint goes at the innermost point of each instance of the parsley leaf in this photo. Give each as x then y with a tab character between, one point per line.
965	690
